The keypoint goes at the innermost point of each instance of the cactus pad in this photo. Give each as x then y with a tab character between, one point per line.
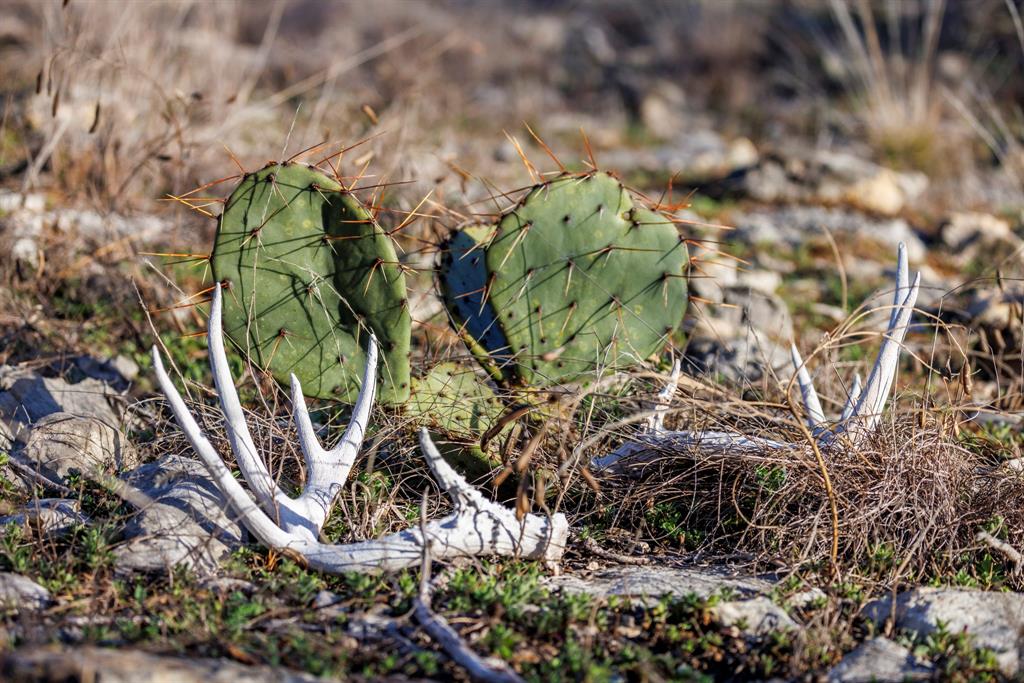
308	274
578	277
454	402
463	283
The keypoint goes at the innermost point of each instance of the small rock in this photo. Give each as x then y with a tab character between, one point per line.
226	584
712	272
794	225
661	110
330	606
185	524
881	660
128	368
50	664
25	253
371	625
964	228
740	311
880	193
764	281
105	371
979	236
50	516
656	581
28	397
22	224
60	443
806	598
740	361
757	616
765	314
995	620
13	201
695	155
994	306
22	593
830	177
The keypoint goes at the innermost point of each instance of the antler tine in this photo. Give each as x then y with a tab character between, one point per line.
902	282
815	415
327	470
851	399
267	492
876	391
656	422
453	483
254	519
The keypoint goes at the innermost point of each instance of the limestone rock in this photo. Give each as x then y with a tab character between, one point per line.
187	522
60	443
26	398
14	201
758	616
881	660
693	155
738	360
995	620
43	665
794	225
50	516
832	177
22	594
656	581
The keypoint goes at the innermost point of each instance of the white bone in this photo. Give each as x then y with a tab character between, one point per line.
876	392
861	412
253	468
327	471
663	401
476	526
815	415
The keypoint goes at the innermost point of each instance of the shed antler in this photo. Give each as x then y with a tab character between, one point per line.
860	415
476	526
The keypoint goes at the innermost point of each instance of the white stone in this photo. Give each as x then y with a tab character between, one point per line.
994	620
656	581
757	616
187	522
50	516
879	660
22	593
61	442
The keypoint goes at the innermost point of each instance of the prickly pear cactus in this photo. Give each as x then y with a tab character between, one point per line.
308	274
575	278
463	286
457	406
456	400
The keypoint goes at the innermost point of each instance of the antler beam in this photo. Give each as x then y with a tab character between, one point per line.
476	526
860	415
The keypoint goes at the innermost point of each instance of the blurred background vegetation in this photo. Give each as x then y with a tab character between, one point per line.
116	105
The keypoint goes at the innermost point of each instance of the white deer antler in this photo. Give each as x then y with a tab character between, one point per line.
476	526
861	412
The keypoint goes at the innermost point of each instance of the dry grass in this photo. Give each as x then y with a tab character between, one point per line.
910	492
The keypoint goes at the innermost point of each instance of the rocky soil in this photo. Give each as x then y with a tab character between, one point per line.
119	560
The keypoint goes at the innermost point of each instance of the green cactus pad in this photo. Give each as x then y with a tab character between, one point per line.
454	399
581	278
308	274
455	403
463	283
